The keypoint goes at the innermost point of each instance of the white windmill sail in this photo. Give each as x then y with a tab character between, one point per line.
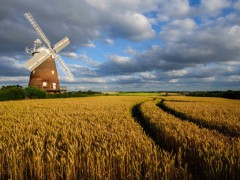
36	60
61	44
37	28
63	66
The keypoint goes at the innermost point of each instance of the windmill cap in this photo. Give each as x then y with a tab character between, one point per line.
38	41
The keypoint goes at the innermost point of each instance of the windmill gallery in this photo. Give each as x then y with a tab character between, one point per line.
42	65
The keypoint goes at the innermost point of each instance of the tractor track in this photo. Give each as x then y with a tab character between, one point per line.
199	122
153	133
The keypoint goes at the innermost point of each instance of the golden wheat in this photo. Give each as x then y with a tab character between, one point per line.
209	153
86	138
223	115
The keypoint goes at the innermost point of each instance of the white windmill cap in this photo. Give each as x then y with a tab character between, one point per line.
38	41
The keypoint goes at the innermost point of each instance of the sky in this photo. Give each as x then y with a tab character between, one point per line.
128	45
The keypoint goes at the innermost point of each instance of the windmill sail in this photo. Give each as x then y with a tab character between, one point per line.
63	66
36	60
61	44
37	28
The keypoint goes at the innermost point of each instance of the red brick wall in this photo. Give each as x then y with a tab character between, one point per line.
43	73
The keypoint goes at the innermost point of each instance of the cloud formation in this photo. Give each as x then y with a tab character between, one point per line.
130	45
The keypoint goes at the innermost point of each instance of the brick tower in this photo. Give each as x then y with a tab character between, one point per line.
45	76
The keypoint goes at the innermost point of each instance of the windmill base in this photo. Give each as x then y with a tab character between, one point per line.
45	77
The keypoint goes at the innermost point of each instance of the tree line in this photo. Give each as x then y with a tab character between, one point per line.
225	94
16	92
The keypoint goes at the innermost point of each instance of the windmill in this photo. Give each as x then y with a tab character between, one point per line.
42	65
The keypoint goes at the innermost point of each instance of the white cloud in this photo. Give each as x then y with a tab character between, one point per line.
186	24
173	81
176	29
12	61
101	4
119	59
214	6
88	60
134	26
119	18
234	78
208	79
90	44
11	66
70	54
122	5
20	79
109	41
163	18
175	8
233	63
179	9
148	75
177	73
130	51
92	80
83	57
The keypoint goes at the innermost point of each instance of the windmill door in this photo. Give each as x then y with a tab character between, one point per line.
54	86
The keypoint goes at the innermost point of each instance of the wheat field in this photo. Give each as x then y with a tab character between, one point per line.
209	154
222	115
91	138
101	138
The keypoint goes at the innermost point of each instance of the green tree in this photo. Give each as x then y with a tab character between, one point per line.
35	93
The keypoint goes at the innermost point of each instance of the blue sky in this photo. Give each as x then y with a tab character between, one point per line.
121	45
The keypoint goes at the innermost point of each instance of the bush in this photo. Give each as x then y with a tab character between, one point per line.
74	94
35	93
18	92
3	95
11	93
61	95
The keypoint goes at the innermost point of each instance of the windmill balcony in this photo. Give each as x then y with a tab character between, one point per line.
51	89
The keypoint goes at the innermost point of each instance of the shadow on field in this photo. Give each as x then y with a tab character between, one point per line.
150	129
138	116
199	122
153	132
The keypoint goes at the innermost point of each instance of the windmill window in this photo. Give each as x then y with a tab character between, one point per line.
44	83
52	72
